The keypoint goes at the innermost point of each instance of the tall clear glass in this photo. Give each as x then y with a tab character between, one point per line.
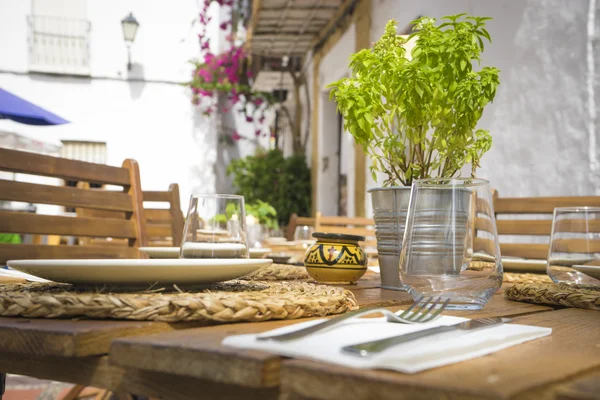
215	227
450	247
574	253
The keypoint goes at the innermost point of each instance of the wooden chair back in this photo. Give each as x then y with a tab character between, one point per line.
348	225
164	225
529	223
126	202
296	221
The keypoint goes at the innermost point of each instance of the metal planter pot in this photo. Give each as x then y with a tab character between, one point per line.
430	230
390	206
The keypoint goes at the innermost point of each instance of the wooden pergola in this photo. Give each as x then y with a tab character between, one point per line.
293	27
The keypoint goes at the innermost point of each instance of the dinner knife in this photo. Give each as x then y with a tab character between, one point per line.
367	349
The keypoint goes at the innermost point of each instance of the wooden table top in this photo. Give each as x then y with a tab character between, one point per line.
142	357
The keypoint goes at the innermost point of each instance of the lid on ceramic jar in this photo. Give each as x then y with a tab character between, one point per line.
338	236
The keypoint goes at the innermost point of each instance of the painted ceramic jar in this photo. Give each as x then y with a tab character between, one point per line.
336	258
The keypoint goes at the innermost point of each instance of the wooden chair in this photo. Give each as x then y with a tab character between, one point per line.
527	227
164	225
126	202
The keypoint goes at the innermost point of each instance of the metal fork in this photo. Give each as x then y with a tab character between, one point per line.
423	312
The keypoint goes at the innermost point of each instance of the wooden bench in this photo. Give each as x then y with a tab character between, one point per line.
126	202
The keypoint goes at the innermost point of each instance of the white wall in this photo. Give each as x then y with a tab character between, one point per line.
542	128
333	66
144	113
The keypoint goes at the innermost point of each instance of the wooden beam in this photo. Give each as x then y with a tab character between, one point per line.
314	168
340	12
256	4
362	41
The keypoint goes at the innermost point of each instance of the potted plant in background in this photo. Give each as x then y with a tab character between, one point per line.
415	115
283	182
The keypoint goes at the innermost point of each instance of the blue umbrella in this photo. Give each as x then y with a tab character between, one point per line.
19	110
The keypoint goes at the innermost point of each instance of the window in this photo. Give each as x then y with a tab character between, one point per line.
59	37
94	152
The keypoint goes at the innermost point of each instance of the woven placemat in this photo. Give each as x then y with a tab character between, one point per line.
512	277
278	272
232	301
555	294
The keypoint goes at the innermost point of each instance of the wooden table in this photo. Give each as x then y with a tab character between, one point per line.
187	361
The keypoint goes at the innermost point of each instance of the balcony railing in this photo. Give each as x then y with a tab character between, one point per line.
59	45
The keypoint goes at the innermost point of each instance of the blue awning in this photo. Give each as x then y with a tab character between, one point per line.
19	110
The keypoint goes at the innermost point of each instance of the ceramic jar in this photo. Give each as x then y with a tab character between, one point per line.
336	258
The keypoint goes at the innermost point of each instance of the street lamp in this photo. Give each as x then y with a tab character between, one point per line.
130	26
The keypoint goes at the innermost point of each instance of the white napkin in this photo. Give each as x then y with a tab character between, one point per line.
12	273
411	357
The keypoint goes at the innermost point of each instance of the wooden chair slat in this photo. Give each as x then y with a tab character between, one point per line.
577	225
13	222
37	164
159	230
484	224
355	221
542	205
525	250
158	215
524	227
40	251
64	196
575	246
348	231
156	196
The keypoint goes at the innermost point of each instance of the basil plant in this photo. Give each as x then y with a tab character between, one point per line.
415	114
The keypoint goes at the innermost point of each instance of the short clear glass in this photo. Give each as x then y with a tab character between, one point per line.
574	253
303	235
215	227
450	247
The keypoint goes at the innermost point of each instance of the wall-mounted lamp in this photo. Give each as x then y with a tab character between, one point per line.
130	26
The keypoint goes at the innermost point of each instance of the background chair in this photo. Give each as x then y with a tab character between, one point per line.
528	222
126	202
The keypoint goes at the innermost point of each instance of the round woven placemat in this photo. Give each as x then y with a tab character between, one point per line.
555	294
512	277
232	301
278	272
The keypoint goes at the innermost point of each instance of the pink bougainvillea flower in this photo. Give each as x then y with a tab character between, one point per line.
261	120
249	118
225	109
195	101
223	26
257	132
236	136
206	93
258	102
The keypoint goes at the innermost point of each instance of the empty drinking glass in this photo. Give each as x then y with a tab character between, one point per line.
450	247
303	235
574	254
215	227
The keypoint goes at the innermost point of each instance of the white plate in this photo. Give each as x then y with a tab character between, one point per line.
259	252
589	270
173	252
140	272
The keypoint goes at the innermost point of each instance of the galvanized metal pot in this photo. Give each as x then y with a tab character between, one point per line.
390	205
390	208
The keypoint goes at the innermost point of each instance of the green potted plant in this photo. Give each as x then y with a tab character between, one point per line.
415	114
